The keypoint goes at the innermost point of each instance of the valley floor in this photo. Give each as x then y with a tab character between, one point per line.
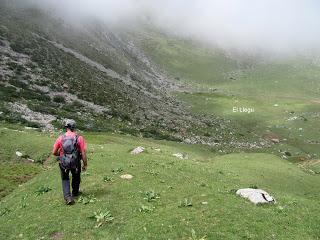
168	197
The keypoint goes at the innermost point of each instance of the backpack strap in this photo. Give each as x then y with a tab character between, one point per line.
63	137
76	142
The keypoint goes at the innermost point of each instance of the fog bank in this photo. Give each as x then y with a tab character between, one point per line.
273	26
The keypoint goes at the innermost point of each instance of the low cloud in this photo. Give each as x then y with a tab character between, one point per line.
272	26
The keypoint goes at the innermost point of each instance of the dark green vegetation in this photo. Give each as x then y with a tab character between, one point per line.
167	197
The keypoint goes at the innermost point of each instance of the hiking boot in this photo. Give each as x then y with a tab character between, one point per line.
69	201
76	194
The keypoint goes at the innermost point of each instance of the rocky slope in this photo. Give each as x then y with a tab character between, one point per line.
51	70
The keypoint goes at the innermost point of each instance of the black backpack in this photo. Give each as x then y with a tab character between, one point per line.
71	156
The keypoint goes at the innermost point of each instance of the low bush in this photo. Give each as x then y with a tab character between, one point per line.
59	99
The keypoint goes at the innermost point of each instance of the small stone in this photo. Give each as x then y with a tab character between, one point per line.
137	150
275	140
180	156
126	176
204	203
19	154
29	160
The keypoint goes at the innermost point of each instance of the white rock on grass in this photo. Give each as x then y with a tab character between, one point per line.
19	154
180	156
29	160
126	176
137	150
256	195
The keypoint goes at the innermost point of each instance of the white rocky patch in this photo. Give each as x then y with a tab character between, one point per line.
137	150
43	119
71	98
256	196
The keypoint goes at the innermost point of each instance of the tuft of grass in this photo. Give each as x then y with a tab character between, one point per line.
42	190
4	211
117	170
151	196
146	209
107	179
194	236
23	202
185	203
87	199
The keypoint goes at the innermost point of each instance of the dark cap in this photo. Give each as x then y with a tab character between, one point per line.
70	123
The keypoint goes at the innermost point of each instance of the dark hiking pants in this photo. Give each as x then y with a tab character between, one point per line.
75	183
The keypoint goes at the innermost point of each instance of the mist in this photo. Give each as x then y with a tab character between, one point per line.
269	26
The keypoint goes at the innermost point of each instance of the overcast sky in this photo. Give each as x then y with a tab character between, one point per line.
278	26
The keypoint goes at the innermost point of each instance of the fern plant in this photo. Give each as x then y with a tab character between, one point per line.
102	217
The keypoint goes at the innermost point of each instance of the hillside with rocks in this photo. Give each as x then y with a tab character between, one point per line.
51	70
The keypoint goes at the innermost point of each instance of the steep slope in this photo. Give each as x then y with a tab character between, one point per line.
51	70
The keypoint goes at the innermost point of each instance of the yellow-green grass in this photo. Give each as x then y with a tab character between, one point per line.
203	177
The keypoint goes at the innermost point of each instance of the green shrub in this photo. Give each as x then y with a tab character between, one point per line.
33	95
59	99
18	83
8	93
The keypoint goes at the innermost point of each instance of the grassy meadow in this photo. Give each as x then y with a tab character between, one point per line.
189	198
168	197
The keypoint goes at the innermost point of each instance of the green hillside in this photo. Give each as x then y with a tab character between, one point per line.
284	92
204	180
138	86
206	68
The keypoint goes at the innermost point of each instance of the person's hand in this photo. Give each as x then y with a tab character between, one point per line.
84	168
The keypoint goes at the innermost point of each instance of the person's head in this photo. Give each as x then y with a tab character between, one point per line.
70	124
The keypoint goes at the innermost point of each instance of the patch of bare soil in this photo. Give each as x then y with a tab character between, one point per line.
56	235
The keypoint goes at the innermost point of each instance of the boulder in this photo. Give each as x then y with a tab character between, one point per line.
65	86
275	140
137	150
256	195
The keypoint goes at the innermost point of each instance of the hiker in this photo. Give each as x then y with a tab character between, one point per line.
70	149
